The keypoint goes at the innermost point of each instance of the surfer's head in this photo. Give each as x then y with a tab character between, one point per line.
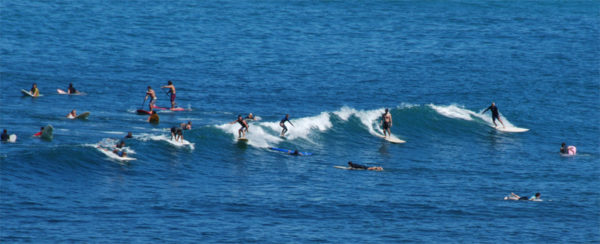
350	163
149	87
170	82
493	104
34	85
563	144
386	110
70	84
537	195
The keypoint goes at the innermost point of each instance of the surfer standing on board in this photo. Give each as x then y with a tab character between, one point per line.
171	91
152	95
244	125
495	114
282	124
386	123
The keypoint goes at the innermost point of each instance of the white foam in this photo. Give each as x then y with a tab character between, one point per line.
256	134
108	152
369	118
113	132
458	112
184	143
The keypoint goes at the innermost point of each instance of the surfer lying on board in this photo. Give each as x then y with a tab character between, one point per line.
34	90
5	135
177	134
187	126
120	153
72	114
244	125
282	124
71	89
171	91
295	153
152	96
495	114
386	123
358	166
516	197
121	144
39	133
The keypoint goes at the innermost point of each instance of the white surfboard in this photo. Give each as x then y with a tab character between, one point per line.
12	138
112	155
343	167
62	92
182	143
243	139
392	139
510	129
27	93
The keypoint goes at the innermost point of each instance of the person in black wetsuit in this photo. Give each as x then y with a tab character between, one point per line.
282	124
564	149
176	133
358	166
129	135
244	125
71	89
495	114
5	135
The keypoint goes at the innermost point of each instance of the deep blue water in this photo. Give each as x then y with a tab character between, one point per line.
333	66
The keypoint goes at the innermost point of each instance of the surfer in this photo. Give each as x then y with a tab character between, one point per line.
39	133
176	133
358	166
282	124
513	196
34	90
386	123
250	117
129	135
72	114
171	91
295	153
244	125
121	144
153	118
120	153
71	89
187	126
495	114
152	95
568	150
5	135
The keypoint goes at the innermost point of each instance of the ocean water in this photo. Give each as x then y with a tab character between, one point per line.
333	66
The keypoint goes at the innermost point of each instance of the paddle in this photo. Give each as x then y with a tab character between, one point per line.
144	103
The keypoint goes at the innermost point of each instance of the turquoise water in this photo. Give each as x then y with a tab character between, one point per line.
334	67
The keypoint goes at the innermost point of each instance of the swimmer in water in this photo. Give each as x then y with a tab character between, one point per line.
129	135
187	126
282	124
358	166
495	114
244	125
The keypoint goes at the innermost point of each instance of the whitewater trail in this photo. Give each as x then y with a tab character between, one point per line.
455	112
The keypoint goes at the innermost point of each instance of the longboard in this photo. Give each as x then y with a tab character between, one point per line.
62	92
510	129
289	151
47	132
143	112
181	143
344	167
27	93
83	115
172	109
112	155
392	139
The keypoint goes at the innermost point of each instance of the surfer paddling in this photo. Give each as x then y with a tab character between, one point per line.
171	92
244	125
150	93
516	197
282	124
386	123
495	114
359	166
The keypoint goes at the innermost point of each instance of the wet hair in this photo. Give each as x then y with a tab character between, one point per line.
149	87
563	144
170	82
349	162
537	194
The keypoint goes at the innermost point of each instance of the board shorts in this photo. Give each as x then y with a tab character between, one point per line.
386	125
173	97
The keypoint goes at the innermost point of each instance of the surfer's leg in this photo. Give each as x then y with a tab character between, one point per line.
494	121
501	121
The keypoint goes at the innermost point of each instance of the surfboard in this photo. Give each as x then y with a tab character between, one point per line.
183	143
172	109
392	139
112	155
47	132
12	138
510	129
62	92
289	151
27	93
344	167
83	115
243	139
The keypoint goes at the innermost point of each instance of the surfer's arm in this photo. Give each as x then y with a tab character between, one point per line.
291	123
486	109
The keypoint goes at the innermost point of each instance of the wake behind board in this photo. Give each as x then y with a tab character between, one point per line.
27	93
47	132
83	115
